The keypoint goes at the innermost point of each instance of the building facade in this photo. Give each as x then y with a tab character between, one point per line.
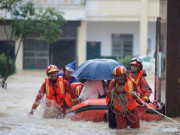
94	29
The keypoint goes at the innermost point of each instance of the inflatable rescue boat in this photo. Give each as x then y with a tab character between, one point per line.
96	109
151	114
90	110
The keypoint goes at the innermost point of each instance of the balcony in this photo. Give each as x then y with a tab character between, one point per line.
58	2
74	10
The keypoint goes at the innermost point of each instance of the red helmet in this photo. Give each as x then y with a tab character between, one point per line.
136	61
51	68
119	70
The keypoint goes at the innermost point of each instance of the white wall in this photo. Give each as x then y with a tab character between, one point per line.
121	10
152	36
101	31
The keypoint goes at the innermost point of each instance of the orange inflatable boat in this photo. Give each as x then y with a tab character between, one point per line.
95	110
90	110
151	114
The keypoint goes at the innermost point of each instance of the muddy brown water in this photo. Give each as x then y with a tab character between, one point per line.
16	102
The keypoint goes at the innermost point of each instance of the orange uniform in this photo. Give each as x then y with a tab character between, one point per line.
55	92
144	93
131	105
77	87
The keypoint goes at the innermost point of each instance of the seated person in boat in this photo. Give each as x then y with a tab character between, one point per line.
77	88
122	99
138	75
67	70
58	94
92	89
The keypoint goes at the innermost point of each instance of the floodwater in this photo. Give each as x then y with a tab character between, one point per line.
16	102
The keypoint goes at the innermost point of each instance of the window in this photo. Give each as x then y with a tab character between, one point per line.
4	47
122	44
35	54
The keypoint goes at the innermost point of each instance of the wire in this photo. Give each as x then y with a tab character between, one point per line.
156	111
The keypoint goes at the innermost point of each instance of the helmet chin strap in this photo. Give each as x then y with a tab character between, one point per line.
137	71
53	81
133	71
121	83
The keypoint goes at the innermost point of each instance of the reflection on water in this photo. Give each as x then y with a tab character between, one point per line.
4	128
16	102
2	114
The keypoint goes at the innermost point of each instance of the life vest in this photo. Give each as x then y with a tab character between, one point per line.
138	77
137	81
77	87
107	100
59	94
131	102
68	100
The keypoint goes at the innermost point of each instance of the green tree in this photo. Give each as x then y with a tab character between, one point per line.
26	19
126	60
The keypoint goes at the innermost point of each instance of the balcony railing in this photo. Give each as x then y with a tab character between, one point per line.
58	2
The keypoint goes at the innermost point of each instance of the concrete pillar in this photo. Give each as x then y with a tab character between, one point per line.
81	44
143	27
19	59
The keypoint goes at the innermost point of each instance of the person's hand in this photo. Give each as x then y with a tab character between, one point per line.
80	100
144	73
120	89
133	93
135	84
144	104
31	112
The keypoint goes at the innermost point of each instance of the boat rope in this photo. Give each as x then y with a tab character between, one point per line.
122	101
155	110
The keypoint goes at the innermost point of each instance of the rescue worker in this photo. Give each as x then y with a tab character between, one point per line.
138	74
58	94
77	87
67	70
121	95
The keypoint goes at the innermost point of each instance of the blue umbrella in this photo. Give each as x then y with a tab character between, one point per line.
96	69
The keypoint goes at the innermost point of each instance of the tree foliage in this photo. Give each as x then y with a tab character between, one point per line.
3	66
126	60
25	19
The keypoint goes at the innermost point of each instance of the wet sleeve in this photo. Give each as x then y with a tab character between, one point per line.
111	86
70	91
39	96
137	89
145	91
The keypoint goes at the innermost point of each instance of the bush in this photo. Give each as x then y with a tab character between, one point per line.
126	60
3	65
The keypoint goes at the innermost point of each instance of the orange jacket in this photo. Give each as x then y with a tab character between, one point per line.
42	92
142	83
77	87
128	88
57	95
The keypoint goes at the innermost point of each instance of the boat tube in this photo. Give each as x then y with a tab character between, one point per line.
96	110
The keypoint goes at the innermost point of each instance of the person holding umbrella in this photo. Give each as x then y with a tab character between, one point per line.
122	100
94	71
92	89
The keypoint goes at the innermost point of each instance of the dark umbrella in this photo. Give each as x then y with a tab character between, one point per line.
96	69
